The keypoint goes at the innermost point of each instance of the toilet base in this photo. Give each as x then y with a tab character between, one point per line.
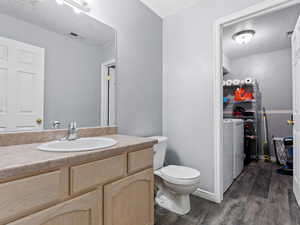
177	203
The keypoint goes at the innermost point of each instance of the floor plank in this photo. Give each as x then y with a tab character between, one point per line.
262	182
243	185
259	196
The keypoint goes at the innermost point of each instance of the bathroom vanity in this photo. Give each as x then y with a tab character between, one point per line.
111	186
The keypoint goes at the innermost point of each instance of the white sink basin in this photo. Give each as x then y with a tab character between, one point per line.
79	145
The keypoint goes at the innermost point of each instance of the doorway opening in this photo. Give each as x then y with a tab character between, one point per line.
253	80
108	93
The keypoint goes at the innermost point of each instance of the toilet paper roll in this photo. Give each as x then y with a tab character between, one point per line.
248	80
228	82
242	82
224	82
236	82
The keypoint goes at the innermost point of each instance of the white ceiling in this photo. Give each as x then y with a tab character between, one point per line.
165	8
270	34
60	19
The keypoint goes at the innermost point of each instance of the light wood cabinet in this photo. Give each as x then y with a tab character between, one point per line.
115	191
20	197
84	210
96	173
130	201
140	160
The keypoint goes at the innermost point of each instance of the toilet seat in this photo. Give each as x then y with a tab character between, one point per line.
180	175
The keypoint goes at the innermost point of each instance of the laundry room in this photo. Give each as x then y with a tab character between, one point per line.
257	95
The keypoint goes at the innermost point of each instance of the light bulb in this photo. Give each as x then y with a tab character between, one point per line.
243	37
60	2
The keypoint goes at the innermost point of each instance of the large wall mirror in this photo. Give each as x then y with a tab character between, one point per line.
56	67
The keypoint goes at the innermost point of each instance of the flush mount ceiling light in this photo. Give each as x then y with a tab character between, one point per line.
77	5
243	37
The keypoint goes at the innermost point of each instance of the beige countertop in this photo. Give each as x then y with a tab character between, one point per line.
19	160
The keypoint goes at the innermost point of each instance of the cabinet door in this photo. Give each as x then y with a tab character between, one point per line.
84	210
130	201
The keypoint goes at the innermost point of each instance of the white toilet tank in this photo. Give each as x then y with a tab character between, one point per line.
159	152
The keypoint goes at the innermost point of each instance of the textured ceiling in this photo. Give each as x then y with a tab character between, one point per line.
270	34
165	8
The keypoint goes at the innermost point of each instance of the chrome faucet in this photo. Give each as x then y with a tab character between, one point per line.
72	132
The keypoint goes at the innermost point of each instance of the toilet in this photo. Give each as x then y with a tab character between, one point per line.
174	183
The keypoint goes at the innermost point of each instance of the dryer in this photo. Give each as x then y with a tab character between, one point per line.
238	147
227	153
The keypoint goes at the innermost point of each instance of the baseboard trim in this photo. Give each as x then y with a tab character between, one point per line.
261	157
206	195
296	192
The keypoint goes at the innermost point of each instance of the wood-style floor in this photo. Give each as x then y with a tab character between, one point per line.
259	196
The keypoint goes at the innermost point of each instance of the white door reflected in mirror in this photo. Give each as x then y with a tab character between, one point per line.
21	86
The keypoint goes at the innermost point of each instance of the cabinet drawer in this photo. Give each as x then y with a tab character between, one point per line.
140	160
83	210
23	196
96	173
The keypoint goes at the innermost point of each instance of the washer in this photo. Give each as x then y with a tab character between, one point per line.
227	153
238	147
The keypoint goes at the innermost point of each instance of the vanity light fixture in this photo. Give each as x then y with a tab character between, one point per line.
77	5
243	37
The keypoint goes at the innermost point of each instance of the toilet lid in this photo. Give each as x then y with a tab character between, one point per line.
180	172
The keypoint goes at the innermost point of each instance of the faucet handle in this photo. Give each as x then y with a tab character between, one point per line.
56	124
73	125
72	131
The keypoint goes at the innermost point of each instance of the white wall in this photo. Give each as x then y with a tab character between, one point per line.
273	71
188	84
226	63
139	106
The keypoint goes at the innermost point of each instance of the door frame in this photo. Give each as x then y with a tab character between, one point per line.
248	13
103	106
